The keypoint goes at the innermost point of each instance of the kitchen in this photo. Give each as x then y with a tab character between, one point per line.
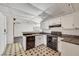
69	36
57	29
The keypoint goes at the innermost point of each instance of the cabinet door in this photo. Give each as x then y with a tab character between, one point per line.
69	49
38	40
76	20
67	21
44	39
60	44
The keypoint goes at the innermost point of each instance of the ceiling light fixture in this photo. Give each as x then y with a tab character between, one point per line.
14	19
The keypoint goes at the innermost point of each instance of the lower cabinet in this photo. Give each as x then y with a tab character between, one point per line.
60	44
38	40
69	49
41	39
24	43
33	41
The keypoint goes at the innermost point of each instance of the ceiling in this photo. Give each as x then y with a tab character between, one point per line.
37	12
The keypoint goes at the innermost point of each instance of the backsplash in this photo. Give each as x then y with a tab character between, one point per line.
71	32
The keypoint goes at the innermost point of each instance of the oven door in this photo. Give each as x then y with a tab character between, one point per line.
52	42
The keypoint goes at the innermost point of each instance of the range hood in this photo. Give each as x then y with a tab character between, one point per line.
57	25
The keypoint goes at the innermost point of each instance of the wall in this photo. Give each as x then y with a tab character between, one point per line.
9	29
71	32
73	21
8	25
45	25
22	27
2	33
37	28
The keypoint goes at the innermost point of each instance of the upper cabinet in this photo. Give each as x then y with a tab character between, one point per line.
67	21
75	6
70	21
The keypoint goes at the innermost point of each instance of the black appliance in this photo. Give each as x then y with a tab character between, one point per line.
52	40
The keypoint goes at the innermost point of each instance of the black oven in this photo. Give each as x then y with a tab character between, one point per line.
52	40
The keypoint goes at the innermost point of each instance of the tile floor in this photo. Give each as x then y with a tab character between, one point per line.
17	50
14	50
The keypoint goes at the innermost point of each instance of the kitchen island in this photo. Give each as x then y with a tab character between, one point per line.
34	39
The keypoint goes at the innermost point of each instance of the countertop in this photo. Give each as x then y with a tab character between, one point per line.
26	33
71	40
37	34
40	33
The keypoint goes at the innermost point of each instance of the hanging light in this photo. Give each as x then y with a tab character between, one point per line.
14	19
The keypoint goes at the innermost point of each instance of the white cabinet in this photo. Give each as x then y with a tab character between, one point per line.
38	40
44	38
69	49
70	21
24	43
60	44
67	21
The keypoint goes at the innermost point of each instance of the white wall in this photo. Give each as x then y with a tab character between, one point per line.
22	27
45	25
71	32
9	29
2	33
37	28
